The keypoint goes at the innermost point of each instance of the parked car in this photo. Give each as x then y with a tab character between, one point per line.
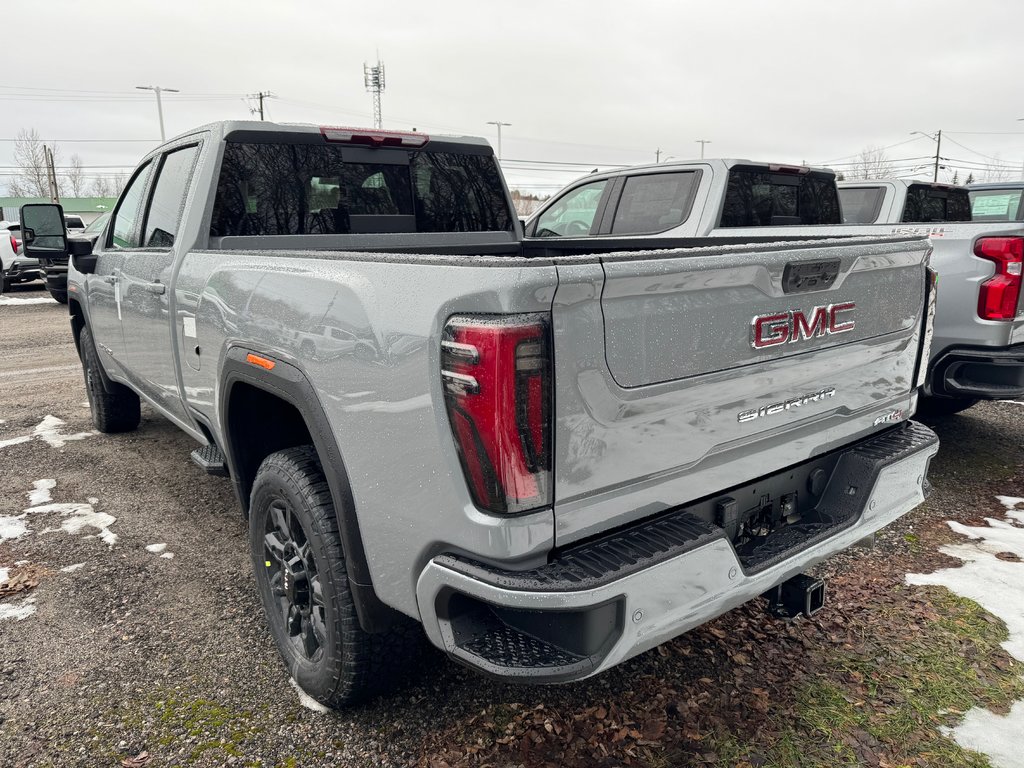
74	224
549	461
15	267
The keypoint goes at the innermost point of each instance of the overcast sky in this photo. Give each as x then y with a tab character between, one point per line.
596	83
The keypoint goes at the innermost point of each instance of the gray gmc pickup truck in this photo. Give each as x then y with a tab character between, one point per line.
978	347
550	461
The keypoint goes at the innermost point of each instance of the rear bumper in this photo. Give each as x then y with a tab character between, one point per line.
979	372
599	603
22	273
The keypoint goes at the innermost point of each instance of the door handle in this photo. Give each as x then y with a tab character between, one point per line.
158	288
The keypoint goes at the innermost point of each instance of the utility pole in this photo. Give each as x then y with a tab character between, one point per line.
260	96
702	142
498	124
159	107
657	155
937	138
373	78
51	175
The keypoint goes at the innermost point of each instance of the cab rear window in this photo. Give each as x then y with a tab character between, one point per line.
758	197
861	205
996	204
926	203
309	189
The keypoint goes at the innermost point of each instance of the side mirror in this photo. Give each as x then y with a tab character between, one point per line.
82	257
42	231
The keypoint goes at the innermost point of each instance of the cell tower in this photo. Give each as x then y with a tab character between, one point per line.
374	79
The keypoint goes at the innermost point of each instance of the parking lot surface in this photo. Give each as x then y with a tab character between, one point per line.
130	629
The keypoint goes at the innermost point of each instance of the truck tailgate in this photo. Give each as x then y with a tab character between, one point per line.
694	371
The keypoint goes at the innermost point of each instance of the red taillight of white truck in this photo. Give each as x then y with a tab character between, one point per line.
14	244
999	295
497	377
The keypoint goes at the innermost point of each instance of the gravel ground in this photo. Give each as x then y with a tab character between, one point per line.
135	652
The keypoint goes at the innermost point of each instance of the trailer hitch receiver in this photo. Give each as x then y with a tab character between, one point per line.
799	596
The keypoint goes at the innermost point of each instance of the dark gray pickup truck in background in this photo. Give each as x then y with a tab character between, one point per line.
549	459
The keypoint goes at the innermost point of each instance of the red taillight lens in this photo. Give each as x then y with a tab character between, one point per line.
999	295
496	373
14	244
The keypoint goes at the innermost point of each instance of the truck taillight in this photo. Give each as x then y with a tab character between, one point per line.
998	296
497	376
14	245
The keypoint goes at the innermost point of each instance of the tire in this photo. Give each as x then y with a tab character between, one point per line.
59	296
944	406
293	530
115	411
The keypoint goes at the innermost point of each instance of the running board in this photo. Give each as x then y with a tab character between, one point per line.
210	460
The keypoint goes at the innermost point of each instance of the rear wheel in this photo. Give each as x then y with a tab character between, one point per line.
115	411
300	572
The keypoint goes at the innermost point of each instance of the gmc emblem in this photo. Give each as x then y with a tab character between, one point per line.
796	325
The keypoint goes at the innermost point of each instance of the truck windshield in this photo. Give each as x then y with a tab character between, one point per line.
927	203
759	197
996	204
310	189
861	205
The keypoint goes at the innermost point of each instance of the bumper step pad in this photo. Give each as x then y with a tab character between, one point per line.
210	459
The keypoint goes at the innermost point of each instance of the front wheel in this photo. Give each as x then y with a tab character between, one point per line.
115	411
300	573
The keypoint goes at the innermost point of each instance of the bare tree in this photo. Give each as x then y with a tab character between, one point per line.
30	179
75	177
109	186
872	163
995	170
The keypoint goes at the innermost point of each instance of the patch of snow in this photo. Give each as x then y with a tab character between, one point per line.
80	516
48	431
995	585
41	492
12	527
4	573
308	701
72	568
5	300
1010	502
997	736
19	611
167	555
93	500
156	549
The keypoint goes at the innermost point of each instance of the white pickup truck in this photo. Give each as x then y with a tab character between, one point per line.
978	345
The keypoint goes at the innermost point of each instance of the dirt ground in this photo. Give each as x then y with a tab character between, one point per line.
112	650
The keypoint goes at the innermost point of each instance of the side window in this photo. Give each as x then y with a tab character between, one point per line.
168	199
654	203
125	232
573	214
